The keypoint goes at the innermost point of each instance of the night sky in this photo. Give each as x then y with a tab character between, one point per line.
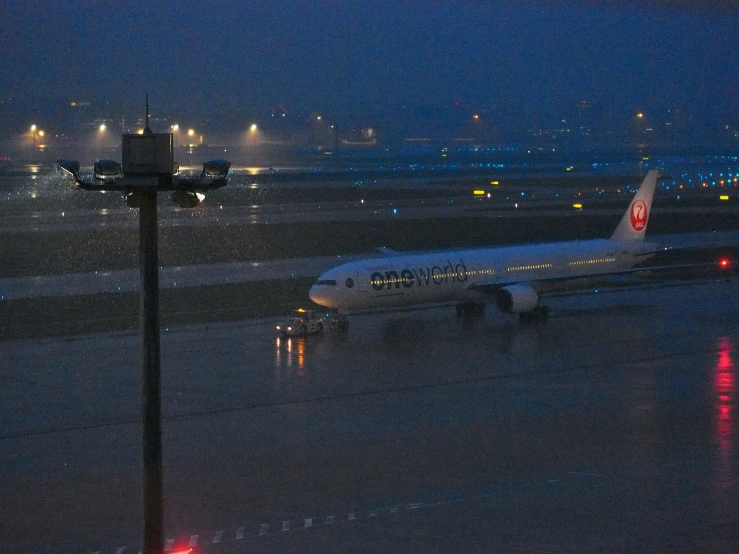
367	57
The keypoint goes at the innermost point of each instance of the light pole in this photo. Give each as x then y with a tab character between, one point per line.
147	169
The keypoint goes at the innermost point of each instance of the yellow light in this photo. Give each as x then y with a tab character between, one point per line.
140	132
175	127
301	310
476	116
478	192
102	127
640	115
494	183
254	126
33	127
191	132
73	104
41	133
318	118
577	206
723	197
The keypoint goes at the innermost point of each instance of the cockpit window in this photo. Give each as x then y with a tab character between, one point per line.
327	282
350	282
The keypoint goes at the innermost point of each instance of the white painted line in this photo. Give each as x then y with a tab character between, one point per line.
308	522
329	520
393	510
218	537
120	550
373	513
285	526
193	541
263	528
351	516
239	534
168	545
414	506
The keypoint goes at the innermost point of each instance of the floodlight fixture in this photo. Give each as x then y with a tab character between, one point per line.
70	169
216	169
187	198
107	170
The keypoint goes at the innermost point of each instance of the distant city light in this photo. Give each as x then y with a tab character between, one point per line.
253	127
723	197
102	127
175	127
476	116
140	132
41	133
318	118
191	132
640	115
33	127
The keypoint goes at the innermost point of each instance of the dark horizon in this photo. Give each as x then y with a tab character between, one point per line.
536	58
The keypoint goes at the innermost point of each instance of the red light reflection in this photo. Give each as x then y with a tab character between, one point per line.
724	376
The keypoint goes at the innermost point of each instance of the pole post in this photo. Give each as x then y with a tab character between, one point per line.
145	159
151	374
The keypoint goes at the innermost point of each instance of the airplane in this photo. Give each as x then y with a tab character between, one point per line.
513	277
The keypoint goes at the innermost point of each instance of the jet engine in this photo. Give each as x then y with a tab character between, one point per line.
516	299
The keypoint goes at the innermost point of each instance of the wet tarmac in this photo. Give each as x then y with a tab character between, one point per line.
611	427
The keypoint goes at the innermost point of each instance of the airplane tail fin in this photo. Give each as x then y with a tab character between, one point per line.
634	222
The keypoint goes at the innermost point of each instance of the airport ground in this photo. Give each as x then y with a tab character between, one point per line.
611	427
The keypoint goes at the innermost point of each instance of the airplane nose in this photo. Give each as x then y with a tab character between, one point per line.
313	294
320	294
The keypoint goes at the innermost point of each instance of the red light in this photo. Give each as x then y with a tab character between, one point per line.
723	263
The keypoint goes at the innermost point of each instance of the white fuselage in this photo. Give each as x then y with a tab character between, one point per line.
461	275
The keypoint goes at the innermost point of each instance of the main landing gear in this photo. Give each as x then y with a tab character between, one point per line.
468	309
539	313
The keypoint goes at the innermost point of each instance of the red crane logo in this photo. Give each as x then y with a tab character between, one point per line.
638	215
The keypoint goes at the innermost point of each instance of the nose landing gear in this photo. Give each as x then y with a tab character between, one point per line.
539	313
338	322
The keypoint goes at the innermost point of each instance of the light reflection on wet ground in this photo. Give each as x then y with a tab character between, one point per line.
725	377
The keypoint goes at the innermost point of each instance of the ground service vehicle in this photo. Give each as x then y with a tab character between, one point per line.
303	322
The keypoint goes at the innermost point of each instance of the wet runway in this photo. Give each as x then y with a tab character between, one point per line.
611	427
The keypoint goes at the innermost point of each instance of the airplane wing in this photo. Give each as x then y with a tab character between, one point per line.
694	241
559	282
665	244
